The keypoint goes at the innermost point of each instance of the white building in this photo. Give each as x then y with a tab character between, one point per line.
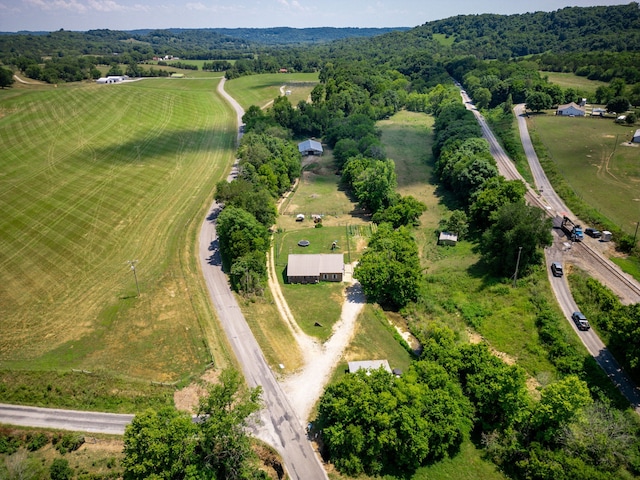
570	110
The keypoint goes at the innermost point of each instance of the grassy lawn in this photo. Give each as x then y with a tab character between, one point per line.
570	80
94	176
594	157
263	88
272	334
458	291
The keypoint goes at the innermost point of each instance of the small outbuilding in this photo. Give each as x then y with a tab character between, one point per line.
447	238
369	365
570	110
112	79
636	137
310	147
313	268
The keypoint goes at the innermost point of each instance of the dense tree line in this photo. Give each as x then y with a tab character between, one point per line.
512	232
268	167
369	421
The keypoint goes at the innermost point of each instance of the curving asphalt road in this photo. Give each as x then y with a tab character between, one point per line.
279	425
546	198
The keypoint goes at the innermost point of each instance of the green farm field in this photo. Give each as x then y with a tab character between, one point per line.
93	176
596	159
570	80
261	89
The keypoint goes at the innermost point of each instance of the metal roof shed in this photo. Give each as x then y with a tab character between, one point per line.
310	147
311	268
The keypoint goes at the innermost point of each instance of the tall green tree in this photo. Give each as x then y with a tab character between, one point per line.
618	104
6	77
161	444
224	415
374	423
375	186
405	212
389	270
518	231
538	101
239	234
168	444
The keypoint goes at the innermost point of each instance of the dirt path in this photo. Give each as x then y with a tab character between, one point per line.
304	387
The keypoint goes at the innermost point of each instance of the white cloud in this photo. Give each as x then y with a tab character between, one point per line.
70	5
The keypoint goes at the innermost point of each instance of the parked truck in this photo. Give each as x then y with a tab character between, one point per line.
573	230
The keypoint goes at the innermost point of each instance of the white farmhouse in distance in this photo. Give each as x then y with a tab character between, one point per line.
570	110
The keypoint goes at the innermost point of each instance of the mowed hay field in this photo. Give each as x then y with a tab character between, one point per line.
595	157
261	89
92	176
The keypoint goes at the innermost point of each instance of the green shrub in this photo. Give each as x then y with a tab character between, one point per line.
68	442
35	441
60	470
9	442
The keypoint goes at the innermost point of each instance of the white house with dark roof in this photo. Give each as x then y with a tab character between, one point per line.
313	268
636	136
310	147
570	110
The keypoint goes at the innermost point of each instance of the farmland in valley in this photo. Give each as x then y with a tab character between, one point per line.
93	176
595	158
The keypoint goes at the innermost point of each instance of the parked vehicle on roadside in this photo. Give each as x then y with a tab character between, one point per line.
581	321
593	233
556	269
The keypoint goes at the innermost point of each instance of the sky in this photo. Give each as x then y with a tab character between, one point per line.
83	15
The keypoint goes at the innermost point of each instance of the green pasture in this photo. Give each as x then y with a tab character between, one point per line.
570	80
261	89
458	291
319	193
595	158
93	176
443	39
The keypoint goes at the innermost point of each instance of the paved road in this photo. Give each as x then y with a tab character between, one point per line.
549	200
280	427
560	286
73	420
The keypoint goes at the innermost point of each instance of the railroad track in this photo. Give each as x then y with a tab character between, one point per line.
607	264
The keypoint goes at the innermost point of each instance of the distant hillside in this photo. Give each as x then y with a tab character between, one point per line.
572	29
203	43
286	35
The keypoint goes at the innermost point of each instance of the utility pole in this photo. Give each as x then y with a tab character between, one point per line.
635	235
515	275
132	263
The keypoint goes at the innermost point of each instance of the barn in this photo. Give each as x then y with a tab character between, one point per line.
312	268
310	147
570	110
